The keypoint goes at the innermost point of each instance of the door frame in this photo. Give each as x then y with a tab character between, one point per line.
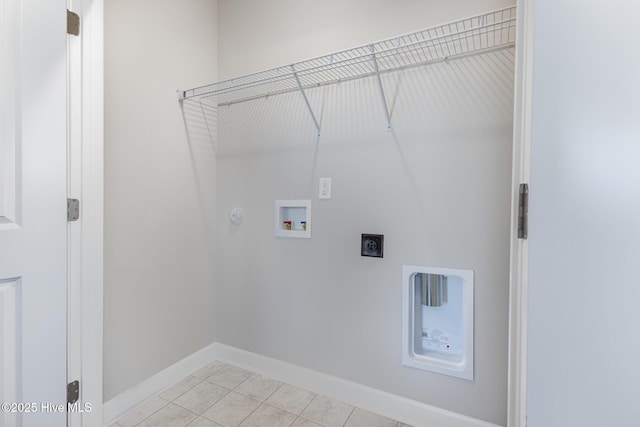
519	253
85	237
90	258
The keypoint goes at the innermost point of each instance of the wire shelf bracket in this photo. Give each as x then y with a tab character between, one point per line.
380	87
306	100
475	35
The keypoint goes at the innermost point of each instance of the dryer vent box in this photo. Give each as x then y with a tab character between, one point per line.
372	245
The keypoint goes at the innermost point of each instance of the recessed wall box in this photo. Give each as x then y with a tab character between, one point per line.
437	333
372	245
293	218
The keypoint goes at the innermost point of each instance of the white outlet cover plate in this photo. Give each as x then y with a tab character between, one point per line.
324	189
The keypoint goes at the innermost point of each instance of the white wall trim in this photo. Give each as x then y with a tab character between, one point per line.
74	229
92	203
85	181
119	405
390	405
519	270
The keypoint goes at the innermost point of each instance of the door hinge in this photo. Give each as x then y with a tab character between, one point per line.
523	211
73	23
73	392
73	209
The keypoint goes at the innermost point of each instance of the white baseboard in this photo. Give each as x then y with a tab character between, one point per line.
119	405
389	405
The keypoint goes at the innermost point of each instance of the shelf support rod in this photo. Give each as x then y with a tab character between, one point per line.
306	100
379	79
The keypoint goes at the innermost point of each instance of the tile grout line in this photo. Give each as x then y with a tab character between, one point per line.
229	390
349	417
158	395
263	403
154	412
250	413
192	421
265	400
179	406
248	397
305	408
177	397
310	402
245	418
274	391
201	380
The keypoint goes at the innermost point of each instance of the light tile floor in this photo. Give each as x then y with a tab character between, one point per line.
224	395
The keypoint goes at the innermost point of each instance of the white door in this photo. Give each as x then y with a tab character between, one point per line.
584	287
33	212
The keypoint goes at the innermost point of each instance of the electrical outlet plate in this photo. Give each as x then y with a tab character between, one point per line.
324	190
372	245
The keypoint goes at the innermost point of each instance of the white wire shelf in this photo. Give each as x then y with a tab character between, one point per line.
478	34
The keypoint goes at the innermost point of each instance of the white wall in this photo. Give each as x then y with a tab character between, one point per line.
585	205
158	288
438	188
274	33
